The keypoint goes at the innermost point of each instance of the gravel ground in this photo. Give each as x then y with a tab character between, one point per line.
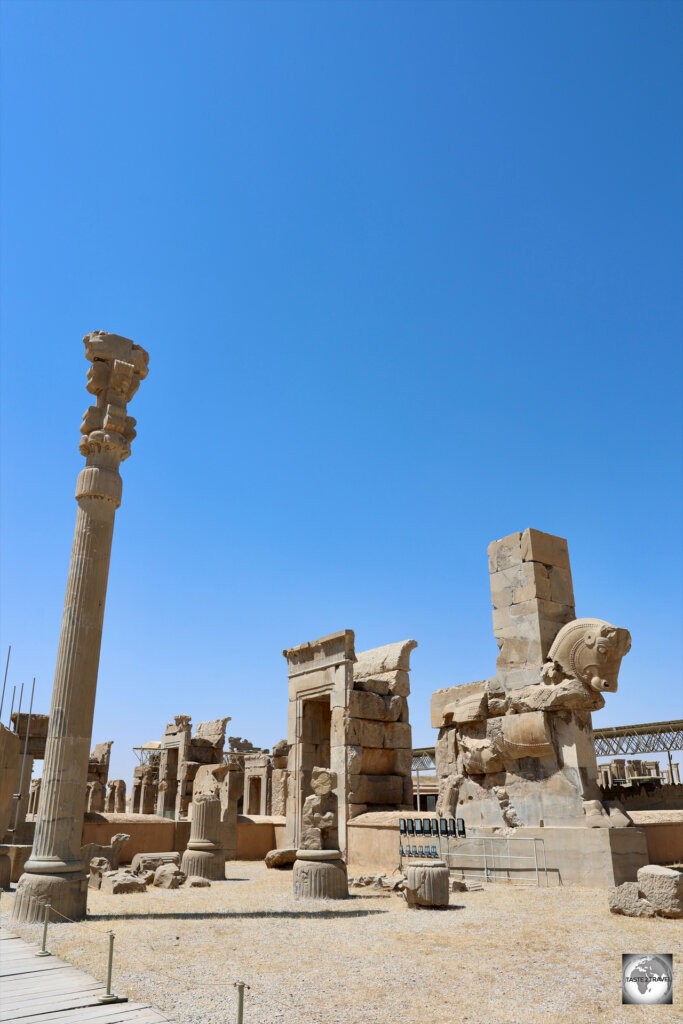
505	955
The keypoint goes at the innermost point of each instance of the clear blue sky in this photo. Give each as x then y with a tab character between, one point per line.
410	279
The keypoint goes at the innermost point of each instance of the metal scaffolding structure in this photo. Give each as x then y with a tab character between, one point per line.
423	760
646	738
650	738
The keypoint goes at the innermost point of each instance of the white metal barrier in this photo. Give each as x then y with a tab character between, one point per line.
499	858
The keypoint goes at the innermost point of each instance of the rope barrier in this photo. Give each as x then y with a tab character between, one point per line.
182	980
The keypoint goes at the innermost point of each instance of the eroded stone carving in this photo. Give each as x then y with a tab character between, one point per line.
517	749
319	819
589	650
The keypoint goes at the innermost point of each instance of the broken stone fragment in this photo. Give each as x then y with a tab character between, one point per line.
197	882
663	887
455	704
283	858
122	881
625	899
169	876
98	866
151	861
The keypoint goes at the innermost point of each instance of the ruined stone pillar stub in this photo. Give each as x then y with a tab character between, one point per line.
55	873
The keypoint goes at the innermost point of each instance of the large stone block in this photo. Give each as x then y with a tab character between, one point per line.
467	696
375	789
523	582
398	735
373	706
505	553
544	547
561	586
663	887
374	761
402	762
356	731
388	658
365	733
395	683
519	653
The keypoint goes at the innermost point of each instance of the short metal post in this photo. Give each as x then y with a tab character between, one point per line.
108	997
43	951
486	867
240	1002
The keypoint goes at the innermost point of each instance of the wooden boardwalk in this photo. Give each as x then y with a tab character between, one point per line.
45	990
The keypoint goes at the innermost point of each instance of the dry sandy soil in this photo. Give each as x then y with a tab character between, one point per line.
506	954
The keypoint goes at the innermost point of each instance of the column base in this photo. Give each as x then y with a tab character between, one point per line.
66	893
209	864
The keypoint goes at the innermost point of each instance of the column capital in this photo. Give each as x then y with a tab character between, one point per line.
118	366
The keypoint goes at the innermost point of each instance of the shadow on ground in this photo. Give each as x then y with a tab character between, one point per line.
218	914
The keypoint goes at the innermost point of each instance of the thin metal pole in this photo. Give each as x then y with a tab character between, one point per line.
417	776
14	691
21	697
240	1002
23	764
108	997
486	867
2	699
43	951
536	861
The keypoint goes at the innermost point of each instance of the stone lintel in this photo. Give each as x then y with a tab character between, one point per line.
327	651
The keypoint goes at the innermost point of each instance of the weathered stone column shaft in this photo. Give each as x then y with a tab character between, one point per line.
62	803
54	873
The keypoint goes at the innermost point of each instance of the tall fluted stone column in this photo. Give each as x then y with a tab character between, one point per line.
55	873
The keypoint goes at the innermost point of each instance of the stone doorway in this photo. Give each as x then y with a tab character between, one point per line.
254	796
316	724
169	788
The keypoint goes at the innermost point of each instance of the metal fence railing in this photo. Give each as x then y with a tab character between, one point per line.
484	858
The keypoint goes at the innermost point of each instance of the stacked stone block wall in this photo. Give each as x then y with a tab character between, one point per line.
533	597
378	733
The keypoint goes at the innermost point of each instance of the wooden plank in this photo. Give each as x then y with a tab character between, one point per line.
97	1014
46	990
125	1013
33	967
75	994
